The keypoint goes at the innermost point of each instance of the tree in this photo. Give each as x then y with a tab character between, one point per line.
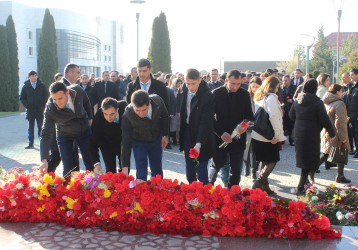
47	60
5	75
351	63
321	56
349	45
159	49
14	64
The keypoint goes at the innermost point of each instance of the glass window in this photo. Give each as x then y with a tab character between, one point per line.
30	35
105	47
105	58
109	58
109	47
30	51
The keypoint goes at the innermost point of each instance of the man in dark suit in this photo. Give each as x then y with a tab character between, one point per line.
298	79
104	89
146	82
232	106
214	82
196	125
288	92
87	88
34	96
107	134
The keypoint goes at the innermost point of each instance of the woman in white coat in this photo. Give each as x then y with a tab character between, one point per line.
267	151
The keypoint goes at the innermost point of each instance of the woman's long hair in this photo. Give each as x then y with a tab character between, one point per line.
268	86
321	79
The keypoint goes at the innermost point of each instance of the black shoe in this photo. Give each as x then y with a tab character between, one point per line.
30	146
292	144
355	155
352	153
342	179
168	146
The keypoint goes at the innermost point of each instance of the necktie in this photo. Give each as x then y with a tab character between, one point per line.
191	95
34	85
147	116
105	88
68	106
145	86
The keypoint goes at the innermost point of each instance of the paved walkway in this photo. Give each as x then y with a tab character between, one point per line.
284	179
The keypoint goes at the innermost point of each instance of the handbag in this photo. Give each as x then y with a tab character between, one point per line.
262	124
338	155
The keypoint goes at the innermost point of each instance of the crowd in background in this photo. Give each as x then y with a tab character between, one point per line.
314	114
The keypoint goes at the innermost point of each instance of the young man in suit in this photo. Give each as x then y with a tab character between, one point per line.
146	82
298	79
288	92
232	106
196	125
104	89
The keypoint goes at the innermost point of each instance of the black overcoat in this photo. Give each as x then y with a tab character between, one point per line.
34	100
100	92
201	120
230	110
310	118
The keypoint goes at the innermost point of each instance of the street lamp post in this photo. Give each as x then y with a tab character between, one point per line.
137	18
338	41
308	47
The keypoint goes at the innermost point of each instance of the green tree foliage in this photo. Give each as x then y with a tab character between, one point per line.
159	49
5	75
351	63
321	57
47	60
349	45
14	64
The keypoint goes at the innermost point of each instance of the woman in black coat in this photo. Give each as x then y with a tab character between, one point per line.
310	118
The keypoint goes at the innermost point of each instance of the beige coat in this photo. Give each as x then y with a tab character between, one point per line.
337	113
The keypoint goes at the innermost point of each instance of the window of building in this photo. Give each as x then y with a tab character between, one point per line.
105	58
30	35
109	47
105	47
109	68
105	67
109	58
31	51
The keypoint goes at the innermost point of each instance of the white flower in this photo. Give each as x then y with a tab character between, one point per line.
314	198
19	185
340	217
98	212
348	215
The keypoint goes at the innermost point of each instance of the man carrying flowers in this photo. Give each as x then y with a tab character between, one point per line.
144	129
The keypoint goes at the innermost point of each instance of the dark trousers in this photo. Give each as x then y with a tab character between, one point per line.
142	151
55	160
236	162
110	158
352	135
31	128
288	125
194	171
66	147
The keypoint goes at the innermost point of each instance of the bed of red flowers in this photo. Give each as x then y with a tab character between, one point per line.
158	206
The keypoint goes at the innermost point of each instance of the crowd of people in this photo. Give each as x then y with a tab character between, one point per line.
147	112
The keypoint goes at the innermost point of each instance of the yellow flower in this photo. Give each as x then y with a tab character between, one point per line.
212	190
72	182
70	202
138	207
41	209
332	185
48	179
114	214
62	208
43	191
107	193
12	177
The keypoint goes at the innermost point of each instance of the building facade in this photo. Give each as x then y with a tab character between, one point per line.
94	43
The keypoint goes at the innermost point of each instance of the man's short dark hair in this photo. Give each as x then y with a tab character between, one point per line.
270	71
354	71
32	72
57	75
275	70
217	71
70	66
109	102
192	74
106	71
299	70
114	71
140	98
249	75
243	75
144	62
235	73
287	76
58	86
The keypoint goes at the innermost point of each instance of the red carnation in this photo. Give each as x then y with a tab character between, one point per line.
193	153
